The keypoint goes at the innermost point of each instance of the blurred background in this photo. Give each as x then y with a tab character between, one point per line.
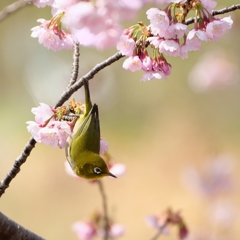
179	139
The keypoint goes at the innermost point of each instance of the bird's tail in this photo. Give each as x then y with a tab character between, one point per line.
88	102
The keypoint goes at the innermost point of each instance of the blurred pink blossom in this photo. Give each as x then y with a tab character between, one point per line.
216	178
222	214
84	230
223	72
103	146
115	231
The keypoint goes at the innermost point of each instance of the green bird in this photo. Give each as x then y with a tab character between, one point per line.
82	150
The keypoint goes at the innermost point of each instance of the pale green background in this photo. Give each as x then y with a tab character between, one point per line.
157	129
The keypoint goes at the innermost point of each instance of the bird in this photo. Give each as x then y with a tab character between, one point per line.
83	145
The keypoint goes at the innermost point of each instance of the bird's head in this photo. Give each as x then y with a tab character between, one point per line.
94	169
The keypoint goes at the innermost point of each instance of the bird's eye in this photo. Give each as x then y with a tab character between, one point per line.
97	170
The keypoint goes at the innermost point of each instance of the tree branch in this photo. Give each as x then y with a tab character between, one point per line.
75	66
11	230
16	166
12	8
217	12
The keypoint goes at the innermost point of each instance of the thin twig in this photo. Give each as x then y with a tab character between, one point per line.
159	232
105	210
217	12
75	66
12	8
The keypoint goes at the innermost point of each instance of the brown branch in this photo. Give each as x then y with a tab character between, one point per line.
12	8
75	66
217	12
67	94
12	230
16	166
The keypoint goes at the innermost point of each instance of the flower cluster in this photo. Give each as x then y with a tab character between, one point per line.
47	129
95	227
91	23
168	35
166	219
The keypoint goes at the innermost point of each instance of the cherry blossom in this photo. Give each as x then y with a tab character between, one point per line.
115	231
50	37
159	21
103	146
222	73
133	63
84	230
214	180
126	45
54	134
218	27
42	113
209	5
42	3
170	48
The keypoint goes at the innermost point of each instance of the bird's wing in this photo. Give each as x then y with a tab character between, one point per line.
87	137
67	153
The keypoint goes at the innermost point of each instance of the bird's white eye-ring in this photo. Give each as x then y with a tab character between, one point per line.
97	170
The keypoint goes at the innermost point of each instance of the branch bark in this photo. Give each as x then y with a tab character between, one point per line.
10	230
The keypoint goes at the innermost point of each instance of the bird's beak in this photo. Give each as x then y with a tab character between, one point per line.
110	174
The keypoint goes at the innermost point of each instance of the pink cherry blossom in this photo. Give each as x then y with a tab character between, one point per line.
55	133
176	31
108	36
84	230
63	132
209	5
170	48
116	230
222	73
42	113
200	34
155	41
215	179
152	75
126	45
165	67
159	21
158	223
132	63
103	146
42	3
50	37
194	41
100	20
34	129
217	28
117	169
146	64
